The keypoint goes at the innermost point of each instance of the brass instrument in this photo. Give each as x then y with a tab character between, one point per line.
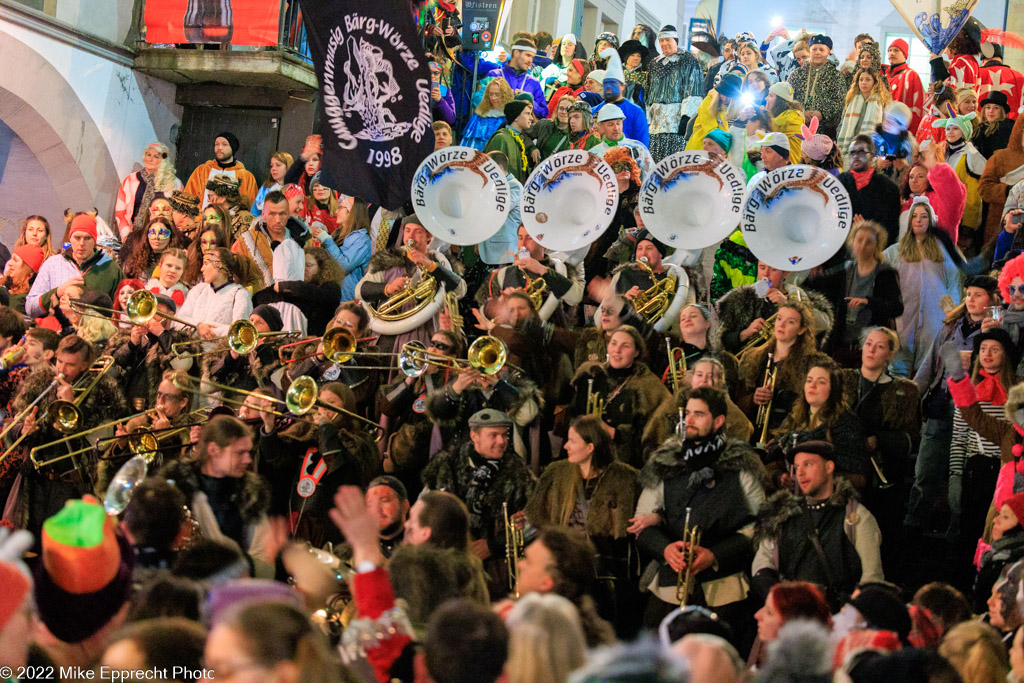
420	294
39	464
652	303
339	345
141	308
514	542
451	303
764	412
242	338
766	333
675	372
595	404
486	354
66	416
684	582
537	289
24	413
681	424
300	399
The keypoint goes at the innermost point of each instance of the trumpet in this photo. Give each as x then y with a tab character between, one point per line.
768	331
675	372
514	542
595	404
764	412
242	338
141	308
684	581
652	303
300	398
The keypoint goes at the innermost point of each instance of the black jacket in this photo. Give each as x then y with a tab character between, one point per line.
879	201
885	302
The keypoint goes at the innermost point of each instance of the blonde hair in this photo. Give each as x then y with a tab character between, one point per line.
977	652
911	250
164	178
94	329
546	640
174	252
504	89
286	159
880	233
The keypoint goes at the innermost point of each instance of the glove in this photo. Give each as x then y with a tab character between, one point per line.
951	362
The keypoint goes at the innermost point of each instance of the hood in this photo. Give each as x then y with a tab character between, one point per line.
1016	144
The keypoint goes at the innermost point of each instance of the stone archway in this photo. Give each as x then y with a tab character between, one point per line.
42	108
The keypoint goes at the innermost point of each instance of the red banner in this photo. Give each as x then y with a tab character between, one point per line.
238	22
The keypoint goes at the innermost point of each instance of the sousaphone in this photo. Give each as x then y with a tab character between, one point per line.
569	200
461	195
796	217
691	201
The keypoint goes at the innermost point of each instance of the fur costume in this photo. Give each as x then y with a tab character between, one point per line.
991	187
609	508
591	347
517	396
248	372
789	382
855	551
253	496
371	288
741	306
628	411
157	359
900	412
665	420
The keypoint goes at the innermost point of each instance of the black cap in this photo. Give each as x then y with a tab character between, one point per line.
817	447
392	483
1003	337
986	282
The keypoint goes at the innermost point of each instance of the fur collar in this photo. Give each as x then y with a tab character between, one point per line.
1015	403
784	505
254	498
665	463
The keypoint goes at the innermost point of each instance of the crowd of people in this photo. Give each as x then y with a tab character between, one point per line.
271	432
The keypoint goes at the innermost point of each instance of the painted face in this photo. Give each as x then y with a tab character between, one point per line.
321	193
159	236
212	217
611	90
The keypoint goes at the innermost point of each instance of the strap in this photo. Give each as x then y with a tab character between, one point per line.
812	536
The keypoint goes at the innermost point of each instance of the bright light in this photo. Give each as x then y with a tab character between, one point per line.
747	99
777	21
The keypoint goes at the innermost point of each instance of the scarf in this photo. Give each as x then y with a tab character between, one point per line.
698	455
148	183
610	143
990	389
522	148
481	476
862	178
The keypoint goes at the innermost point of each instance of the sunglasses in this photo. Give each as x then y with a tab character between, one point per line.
1015	290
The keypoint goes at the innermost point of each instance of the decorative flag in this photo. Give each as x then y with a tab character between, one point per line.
235	22
375	116
935	22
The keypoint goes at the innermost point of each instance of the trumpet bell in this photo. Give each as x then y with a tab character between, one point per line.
412	359
339	345
242	337
488	355
66	416
301	396
141	306
121	488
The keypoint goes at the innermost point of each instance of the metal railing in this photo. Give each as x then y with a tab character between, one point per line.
292	36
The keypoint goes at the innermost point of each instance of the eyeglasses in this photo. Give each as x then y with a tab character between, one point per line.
160	396
858	152
1014	290
444	347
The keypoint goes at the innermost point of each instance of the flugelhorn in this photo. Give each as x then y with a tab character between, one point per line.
684	581
242	337
514	542
142	307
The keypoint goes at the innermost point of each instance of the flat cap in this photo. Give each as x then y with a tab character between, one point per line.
488	417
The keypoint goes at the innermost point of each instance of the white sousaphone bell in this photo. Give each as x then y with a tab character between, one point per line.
569	200
690	201
461	195
796	217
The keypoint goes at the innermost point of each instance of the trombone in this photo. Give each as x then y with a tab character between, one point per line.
242	337
486	354
142	442
141	308
339	345
24	413
66	416
300	398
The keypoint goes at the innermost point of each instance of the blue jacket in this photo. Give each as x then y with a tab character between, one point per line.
352	256
462	82
526	83
635	125
495	249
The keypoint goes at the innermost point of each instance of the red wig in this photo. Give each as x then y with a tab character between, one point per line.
622	155
801	600
127	282
1013	268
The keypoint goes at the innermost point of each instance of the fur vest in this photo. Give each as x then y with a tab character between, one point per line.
665	463
157	359
742	305
252	498
609	509
251	371
104	403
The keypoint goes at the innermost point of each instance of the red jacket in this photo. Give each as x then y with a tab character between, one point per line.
906	88
997	76
964	72
948	198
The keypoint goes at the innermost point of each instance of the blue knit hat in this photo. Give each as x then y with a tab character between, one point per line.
720	138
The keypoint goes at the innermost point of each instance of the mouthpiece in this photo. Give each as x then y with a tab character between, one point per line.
410	243
642	259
